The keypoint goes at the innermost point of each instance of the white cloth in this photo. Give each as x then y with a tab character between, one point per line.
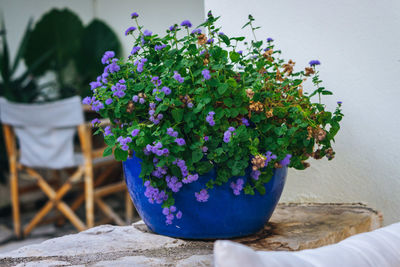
377	248
45	131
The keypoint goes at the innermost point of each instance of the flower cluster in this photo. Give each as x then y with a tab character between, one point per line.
238	186
200	101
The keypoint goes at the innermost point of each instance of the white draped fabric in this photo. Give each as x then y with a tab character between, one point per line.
377	248
45	131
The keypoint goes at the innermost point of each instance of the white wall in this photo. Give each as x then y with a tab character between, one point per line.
358	43
155	15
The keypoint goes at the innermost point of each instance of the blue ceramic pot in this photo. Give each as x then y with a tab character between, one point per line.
224	215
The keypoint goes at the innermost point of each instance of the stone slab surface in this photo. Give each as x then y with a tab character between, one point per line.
292	227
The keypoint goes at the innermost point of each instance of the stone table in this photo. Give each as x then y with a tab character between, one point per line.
292	227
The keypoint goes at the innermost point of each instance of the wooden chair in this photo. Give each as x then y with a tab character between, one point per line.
45	133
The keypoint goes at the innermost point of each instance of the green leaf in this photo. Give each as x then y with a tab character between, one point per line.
327	92
120	155
248	190
228	102
222	88
198	108
22	47
260	188
177	114
107	151
234	56
110	140
203	167
225	39
197	155
60	30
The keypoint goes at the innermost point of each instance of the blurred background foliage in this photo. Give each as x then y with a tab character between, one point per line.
60	45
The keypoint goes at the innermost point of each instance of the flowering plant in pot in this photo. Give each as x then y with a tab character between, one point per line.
207	131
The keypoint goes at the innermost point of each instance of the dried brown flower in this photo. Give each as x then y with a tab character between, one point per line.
258	162
309	71
130	107
250	93
202	39
256	106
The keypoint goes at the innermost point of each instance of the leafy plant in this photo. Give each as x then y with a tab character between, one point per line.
97	38
188	102
74	48
59	31
22	88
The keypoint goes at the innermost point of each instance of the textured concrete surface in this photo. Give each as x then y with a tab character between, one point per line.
292	227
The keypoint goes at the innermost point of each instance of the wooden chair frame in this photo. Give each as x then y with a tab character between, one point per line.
85	171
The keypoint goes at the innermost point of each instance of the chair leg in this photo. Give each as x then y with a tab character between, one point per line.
9	138
109	212
128	208
15	203
89	197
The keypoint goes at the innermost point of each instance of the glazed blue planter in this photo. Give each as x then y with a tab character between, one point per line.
224	215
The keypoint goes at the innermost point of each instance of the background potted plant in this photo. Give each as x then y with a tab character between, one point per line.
207	131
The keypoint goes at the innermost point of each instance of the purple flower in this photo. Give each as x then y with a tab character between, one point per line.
221	33
231	129
269	157
209	14
206	74
141	100
190	105
227	136
97	105
135	98
159	47
178	77
173	183
206	138
255	174
240	52
166	90
147	33
173	27
134	15
186	23
171	132
109	101
210	118
196	31
210	41
238	186
154	195
204	149
135	49
107	55
339	102
130	30
135	132
87	100
180	141
286	160
314	63
269	39
202	196
179	214
95	121
156	81
107	131
245	122
94	85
